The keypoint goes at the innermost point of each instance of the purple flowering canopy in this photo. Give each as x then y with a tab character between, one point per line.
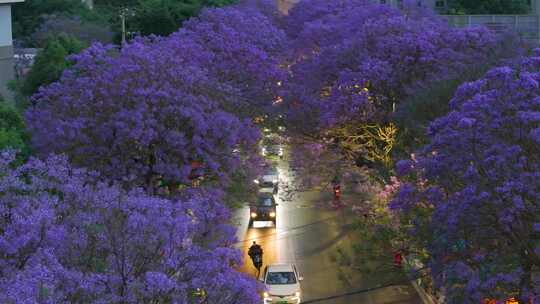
137	116
352	60
65	238
146	113
246	47
479	179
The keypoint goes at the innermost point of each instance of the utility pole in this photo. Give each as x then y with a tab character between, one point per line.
125	12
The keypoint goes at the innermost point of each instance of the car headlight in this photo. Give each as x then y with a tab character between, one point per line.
253	214
256	181
266	295
272	214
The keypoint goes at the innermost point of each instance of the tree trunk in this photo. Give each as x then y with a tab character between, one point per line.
525	284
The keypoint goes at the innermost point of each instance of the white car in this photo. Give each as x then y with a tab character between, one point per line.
270	179
272	150
282	284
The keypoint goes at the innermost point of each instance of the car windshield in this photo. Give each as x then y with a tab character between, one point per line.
273	149
271	141
266	201
270	172
280	278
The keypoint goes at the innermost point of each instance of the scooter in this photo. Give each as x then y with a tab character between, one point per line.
336	202
257	261
337	191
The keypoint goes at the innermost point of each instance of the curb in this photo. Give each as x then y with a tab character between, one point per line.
426	298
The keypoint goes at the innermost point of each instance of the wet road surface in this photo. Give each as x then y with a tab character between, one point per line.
308	233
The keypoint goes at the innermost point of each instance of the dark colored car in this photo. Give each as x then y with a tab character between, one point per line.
264	209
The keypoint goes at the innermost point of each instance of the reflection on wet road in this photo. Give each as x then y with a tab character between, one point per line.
308	235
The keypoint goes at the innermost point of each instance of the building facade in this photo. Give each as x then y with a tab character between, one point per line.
441	6
437	5
6	47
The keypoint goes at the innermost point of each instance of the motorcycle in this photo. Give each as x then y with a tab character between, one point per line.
337	191
257	261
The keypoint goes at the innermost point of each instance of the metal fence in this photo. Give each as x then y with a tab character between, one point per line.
527	26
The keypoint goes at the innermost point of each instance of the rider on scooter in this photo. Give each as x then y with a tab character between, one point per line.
254	252
336	186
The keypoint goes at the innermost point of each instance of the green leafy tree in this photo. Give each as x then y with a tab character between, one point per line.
50	63
163	17
12	130
115	3
74	26
28	15
488	7
159	17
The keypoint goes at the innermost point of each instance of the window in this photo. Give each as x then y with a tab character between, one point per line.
267	202
280	278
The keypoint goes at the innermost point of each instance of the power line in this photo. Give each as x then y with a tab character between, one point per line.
288	230
351	293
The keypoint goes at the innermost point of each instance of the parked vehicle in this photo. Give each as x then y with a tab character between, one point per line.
264	209
282	284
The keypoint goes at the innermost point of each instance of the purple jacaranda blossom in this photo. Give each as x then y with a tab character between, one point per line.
145	114
355	60
404	167
487	167
65	236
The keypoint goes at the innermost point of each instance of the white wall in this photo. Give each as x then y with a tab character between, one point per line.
5	25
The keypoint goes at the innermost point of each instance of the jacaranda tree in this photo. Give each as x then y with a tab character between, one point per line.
246	47
142	115
478	180
146	114
356	61
66	237
353	63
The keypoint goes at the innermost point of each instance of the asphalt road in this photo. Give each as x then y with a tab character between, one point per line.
308	233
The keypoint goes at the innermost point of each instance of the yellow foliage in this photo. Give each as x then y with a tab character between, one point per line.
373	142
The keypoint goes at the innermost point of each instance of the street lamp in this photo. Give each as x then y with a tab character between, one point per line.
125	12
